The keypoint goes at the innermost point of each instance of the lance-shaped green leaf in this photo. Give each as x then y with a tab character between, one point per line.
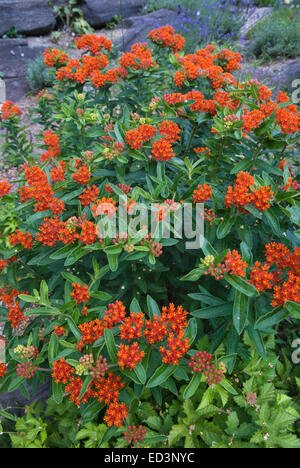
111	345
240	311
192	387
241	285
161	375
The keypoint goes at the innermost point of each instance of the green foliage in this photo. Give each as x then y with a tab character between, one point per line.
37	74
246	323
71	17
276	36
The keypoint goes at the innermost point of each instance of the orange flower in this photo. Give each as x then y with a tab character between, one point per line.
62	371
202	193
80	293
115	414
262	197
107	389
4	188
114	314
235	264
132	326
162	150
10	110
89	195
3	369
23	238
82	175
170	129
178	346
130	355
260	277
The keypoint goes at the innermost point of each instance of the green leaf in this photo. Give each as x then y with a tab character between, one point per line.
193	275
111	345
222	310
74	329
53	348
140	372
192	387
161	375
241	285
153	308
271	318
88	379
273	222
240	311
257	341
57	391
225	226
293	309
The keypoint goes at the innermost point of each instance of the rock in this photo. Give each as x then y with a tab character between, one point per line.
136	28
14	57
18	401
99	12
278	75
255	17
27	16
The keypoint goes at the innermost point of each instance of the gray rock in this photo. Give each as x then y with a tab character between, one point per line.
278	75
27	16
18	401
14	57
136	28
255	17
99	12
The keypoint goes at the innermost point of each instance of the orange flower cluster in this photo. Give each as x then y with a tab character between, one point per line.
89	195
130	355
178	346
166	37
23	238
4	188
14	315
80	293
132	326
202	193
93	43
59	331
10	110
62	371
288	118
3	369
82	175
55	57
40	190
138	58
281	272
91	332
261	277
106	206
241	196
52	141
170	129
162	150
58	172
205	64
114	315
115	414
136	137
235	264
